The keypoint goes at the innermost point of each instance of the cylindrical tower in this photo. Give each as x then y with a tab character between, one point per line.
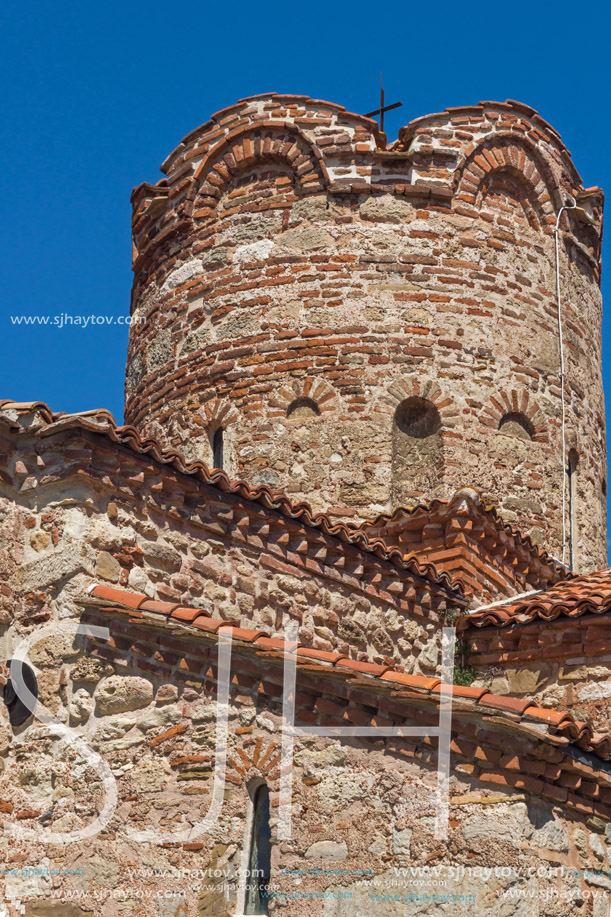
365	325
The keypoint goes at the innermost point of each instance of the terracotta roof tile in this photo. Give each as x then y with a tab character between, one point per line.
119	596
601	745
561	726
160	608
412	681
582	595
508	704
369	668
323	655
102	423
211	625
248	636
434	507
187	614
553	717
461	691
270	643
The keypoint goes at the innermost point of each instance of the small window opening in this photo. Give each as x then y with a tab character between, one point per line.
20	707
259	859
217	448
302	408
571	470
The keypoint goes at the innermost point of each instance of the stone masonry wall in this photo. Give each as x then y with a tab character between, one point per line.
296	280
80	508
362	811
563	664
83	509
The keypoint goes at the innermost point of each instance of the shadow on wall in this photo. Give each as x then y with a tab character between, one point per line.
417	450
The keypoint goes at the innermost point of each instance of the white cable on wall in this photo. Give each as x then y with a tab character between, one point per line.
568	206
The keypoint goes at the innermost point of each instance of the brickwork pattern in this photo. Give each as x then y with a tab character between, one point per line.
145	700
137	521
290	247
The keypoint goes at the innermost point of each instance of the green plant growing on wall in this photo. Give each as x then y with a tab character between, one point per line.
464	674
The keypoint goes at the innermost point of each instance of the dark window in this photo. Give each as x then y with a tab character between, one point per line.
217	448
20	707
573	461
259	859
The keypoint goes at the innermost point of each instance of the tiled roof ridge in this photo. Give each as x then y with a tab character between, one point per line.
101	421
589	593
142	608
489	510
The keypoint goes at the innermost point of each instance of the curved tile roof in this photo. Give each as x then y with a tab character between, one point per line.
581	595
551	723
102	422
489	510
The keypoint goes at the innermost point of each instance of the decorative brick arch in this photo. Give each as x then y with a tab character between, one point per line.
428	389
415	414
511	401
255	759
312	389
190	432
248	146
218	413
505	156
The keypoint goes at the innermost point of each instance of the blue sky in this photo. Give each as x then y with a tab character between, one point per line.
96	95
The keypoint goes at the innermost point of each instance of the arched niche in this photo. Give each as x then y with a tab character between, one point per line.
417	450
516	423
302	409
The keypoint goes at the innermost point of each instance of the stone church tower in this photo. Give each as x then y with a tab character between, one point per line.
365	326
368	328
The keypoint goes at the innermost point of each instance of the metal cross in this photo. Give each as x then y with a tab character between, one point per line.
380	111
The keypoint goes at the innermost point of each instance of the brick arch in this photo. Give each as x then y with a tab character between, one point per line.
218	413
511	401
248	146
418	460
255	759
507	181
401	389
190	431
311	388
505	156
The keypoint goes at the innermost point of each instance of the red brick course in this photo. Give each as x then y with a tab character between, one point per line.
540	761
429	261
